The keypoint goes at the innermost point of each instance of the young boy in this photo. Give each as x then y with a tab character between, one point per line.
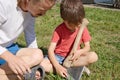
72	12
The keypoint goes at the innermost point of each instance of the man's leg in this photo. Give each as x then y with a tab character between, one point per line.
10	77
31	56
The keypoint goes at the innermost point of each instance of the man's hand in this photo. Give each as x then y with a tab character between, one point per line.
16	64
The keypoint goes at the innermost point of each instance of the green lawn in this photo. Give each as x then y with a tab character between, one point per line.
104	28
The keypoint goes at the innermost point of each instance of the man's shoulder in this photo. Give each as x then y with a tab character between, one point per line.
8	4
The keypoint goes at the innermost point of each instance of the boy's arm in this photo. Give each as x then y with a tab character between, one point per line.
59	68
51	54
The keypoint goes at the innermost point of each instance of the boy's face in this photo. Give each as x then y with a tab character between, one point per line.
70	26
39	8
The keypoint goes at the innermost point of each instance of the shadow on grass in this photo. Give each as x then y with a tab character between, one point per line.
20	45
45	50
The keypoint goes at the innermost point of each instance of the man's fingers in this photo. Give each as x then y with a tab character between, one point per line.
19	68
25	68
22	68
14	70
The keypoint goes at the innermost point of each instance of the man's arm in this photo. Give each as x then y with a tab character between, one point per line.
16	64
29	31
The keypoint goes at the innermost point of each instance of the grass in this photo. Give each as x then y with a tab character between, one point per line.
104	27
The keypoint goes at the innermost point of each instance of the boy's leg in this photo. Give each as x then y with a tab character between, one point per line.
78	67
46	64
86	59
26	54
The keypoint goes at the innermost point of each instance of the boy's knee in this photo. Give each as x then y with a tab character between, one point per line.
92	57
46	65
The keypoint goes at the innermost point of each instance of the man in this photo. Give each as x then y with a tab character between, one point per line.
17	16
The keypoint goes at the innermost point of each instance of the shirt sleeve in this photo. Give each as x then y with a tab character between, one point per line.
3	19
86	36
2	14
55	36
29	31
2	50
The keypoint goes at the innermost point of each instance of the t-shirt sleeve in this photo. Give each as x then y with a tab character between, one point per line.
29	31
3	19
2	14
2	50
86	36
55	36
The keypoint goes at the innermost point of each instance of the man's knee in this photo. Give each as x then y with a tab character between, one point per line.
37	55
92	57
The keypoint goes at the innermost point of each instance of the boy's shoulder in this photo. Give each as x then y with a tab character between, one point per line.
62	25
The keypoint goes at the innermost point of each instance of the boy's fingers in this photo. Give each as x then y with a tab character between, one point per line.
73	57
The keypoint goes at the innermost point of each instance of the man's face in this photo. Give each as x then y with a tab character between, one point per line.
39	8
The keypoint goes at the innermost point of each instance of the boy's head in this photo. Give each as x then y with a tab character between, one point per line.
72	11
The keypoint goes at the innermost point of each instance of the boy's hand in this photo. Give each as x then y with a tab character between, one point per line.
62	71
76	55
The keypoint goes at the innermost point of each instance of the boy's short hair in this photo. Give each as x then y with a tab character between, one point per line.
72	11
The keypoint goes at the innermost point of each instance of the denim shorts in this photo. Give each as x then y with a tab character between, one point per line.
59	58
13	49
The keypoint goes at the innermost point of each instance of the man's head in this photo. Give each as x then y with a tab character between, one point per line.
72	11
36	7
